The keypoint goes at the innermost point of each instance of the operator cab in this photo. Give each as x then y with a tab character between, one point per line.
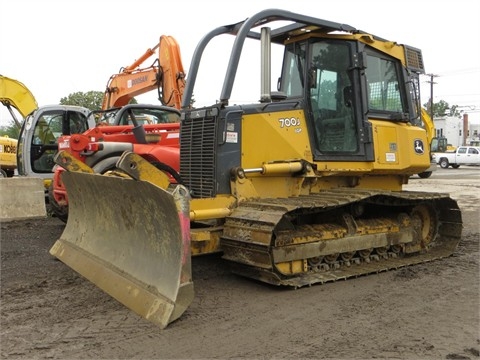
330	74
38	140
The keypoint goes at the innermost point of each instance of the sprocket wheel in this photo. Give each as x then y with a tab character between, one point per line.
426	222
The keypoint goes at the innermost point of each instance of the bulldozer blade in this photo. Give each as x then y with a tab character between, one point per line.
131	239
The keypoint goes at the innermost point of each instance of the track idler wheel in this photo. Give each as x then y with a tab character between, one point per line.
425	222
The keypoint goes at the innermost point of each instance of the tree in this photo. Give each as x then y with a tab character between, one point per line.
442	108
91	100
453	111
11	130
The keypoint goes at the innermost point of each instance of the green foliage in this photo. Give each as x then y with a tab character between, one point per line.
442	108
91	100
11	130
453	111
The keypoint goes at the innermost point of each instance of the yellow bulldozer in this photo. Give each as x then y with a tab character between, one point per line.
302	186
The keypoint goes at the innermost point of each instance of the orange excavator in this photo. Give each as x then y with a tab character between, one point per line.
165	74
151	131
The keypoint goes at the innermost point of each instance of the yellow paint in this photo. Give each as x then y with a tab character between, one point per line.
284	134
394	145
291	267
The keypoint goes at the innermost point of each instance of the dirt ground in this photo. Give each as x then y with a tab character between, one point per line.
427	311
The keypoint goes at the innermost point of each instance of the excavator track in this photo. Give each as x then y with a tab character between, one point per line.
339	234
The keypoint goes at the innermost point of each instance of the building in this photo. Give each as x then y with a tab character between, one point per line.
473	136
457	130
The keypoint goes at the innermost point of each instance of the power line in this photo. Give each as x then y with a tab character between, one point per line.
460	72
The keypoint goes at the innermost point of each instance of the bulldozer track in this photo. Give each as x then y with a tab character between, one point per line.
262	234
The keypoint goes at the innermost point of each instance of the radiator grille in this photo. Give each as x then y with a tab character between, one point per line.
198	155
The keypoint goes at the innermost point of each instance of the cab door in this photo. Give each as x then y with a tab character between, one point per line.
38	141
472	156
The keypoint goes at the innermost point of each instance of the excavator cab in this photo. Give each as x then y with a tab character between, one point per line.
39	134
49	127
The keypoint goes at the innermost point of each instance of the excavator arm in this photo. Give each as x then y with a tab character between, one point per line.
429	125
15	94
437	143
165	74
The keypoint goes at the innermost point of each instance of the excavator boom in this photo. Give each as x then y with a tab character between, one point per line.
15	94
165	74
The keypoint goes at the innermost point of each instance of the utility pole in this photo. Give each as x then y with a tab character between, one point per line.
431	92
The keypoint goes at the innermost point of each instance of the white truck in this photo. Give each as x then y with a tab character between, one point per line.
463	155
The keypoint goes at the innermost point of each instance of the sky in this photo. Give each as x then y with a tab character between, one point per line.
60	47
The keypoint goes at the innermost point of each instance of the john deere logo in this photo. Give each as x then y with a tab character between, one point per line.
419	149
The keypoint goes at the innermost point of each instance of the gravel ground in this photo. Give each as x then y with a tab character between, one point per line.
427	311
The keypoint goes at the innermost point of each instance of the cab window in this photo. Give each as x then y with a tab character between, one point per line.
331	99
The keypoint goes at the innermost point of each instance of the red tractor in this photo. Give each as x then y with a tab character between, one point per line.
151	131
